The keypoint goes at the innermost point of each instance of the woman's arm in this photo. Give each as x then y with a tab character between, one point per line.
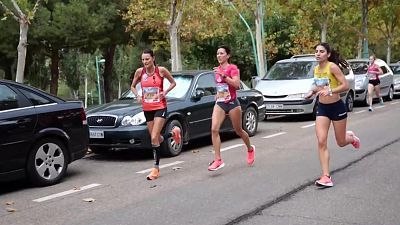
135	81
344	85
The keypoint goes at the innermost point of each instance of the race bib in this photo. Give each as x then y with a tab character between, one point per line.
151	94
321	82
223	94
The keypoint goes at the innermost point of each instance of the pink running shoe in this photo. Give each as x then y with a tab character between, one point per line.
251	155
216	165
176	135
356	141
324	181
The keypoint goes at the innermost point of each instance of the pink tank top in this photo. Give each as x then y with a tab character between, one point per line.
373	68
151	86
226	92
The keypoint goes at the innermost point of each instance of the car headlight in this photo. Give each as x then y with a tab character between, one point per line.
300	95
133	120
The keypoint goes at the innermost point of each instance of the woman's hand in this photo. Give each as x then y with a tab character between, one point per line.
325	91
138	99
162	95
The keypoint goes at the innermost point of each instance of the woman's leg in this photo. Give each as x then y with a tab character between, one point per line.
218	117
322	124
342	137
155	128
370	94
236	119
378	93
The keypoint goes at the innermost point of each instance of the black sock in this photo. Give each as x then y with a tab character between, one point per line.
156	155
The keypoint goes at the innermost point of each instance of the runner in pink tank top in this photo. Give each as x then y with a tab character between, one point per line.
154	104
374	82
228	81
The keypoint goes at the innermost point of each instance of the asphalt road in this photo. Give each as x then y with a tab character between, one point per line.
278	189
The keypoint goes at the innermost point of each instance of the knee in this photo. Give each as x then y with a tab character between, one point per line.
341	143
214	131
322	144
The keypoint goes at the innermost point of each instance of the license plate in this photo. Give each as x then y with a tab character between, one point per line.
96	134
274	106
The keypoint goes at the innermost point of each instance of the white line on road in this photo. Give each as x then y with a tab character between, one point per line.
309	125
66	193
361	111
379	107
274	135
162	166
394	103
231	147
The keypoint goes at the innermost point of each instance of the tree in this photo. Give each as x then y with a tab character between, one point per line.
24	20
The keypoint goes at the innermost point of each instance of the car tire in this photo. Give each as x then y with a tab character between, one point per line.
47	162
169	147
250	121
350	102
389	96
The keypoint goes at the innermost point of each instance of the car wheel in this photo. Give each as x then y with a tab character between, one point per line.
47	162
169	147
349	102
390	94
250	121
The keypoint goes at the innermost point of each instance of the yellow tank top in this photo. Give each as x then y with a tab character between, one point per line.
326	73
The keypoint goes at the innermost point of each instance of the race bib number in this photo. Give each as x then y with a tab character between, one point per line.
151	94
371	76
321	82
223	93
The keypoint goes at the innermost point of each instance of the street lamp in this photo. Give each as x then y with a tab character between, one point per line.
250	32
98	61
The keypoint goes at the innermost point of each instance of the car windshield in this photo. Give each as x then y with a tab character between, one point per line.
359	67
182	87
395	69
291	71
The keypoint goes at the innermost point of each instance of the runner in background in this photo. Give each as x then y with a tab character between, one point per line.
373	81
228	81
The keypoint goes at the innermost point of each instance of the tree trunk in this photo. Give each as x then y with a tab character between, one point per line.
175	53
108	69
364	27
324	30
359	47
389	50
23	42
259	40
55	73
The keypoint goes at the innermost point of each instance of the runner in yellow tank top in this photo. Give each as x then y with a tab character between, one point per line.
329	83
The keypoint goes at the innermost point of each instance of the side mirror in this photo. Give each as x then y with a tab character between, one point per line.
199	93
254	81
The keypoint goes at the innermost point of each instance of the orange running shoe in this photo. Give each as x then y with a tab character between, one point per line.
154	174
251	155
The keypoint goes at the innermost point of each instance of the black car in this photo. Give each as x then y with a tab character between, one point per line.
121	124
40	134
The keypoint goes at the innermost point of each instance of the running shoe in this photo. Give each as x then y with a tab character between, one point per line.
381	101
216	165
324	181
370	109
251	155
356	141
176	135
154	174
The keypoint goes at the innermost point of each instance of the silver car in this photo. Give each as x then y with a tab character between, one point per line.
395	67
286	84
360	67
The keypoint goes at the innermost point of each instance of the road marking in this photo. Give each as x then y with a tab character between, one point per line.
66	193
162	166
309	125
274	135
394	103
361	111
231	147
379	107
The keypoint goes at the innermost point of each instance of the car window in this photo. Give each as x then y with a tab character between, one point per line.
8	98
291	71
359	67
384	69
207	82
35	98
395	69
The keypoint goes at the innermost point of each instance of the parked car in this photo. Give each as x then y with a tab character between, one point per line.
40	134
360	67
121	124
287	83
395	67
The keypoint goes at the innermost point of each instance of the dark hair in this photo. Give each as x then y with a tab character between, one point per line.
334	55
150	52
227	50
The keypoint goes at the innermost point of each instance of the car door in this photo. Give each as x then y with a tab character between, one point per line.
17	123
200	112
